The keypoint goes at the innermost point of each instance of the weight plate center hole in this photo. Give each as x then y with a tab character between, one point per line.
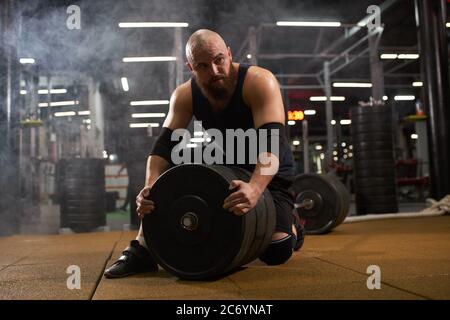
189	221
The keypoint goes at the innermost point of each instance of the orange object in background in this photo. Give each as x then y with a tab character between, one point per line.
295	115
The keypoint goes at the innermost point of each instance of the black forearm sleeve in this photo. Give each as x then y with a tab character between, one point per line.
163	145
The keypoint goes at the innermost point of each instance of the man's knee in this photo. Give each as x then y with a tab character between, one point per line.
278	251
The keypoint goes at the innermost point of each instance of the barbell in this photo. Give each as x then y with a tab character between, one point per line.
322	201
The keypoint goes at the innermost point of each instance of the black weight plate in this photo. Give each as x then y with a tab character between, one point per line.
85	195
364	155
345	198
378	172
369	110
85	202
211	245
370	127
373	145
377	136
84	188
264	218
374	163
375	181
372	118
374	190
85	214
327	202
84	209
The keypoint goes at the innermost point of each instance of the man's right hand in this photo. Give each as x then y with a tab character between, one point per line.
144	206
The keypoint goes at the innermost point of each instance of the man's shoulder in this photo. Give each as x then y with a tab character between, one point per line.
183	93
256	71
184	88
259	79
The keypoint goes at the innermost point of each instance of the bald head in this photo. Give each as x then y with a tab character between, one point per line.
201	40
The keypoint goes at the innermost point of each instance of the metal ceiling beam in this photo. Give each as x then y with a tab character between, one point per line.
383	7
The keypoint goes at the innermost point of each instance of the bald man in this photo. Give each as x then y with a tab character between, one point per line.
224	95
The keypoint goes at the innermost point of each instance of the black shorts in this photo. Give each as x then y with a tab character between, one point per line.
284	203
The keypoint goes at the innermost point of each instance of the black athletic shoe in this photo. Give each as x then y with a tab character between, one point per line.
134	259
300	230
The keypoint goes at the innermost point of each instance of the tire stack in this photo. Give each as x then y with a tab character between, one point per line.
374	160
82	194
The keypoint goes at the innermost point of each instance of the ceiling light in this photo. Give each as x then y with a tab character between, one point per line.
148	59
149	102
404	98
408	56
148	115
64	114
388	56
318	98
58	103
153	25
324	98
125	85
309	112
27	60
417	84
52	91
307	24
352	85
144	125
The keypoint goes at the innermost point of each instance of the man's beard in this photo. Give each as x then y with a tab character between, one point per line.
219	92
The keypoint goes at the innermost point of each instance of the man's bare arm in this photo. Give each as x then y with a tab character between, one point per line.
179	116
264	98
262	94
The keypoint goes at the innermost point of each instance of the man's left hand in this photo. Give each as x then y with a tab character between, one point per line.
243	199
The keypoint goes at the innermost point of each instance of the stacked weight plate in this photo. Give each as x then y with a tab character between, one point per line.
374	162
81	184
191	235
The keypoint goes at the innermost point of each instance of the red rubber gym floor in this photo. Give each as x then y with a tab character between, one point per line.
413	256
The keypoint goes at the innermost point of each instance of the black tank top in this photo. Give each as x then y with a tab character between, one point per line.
237	115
